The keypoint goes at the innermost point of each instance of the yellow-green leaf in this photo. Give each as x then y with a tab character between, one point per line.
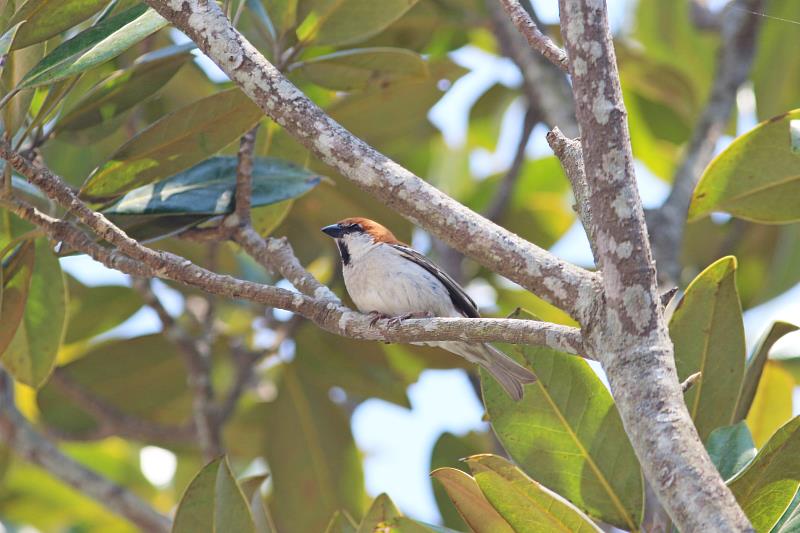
350	70
341	522
757	177
381	511
340	22
772	404
472	505
755	366
708	335
174	143
766	487
567	434
16	280
213	503
31	355
46	18
526	505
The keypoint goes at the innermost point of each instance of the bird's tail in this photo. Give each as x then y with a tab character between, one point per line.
510	374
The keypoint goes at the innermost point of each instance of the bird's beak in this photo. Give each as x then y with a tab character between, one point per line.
334	230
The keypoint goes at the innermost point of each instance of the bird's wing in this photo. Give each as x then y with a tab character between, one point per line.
462	302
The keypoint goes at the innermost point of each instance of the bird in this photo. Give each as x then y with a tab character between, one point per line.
388	279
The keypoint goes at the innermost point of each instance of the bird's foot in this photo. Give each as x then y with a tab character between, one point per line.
376	315
397	320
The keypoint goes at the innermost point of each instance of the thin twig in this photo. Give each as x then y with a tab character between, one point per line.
19	435
197	358
737	50
502	194
244	179
536	39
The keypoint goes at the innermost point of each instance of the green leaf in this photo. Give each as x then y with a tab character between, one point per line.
340	22
403	524
213	502
776	69
772	405
125	88
94	310
266	219
472	505
358	69
17	104
94	46
341	522
16	282
525	504
31	355
755	366
567	434
707	332
46	18
757	177
282	15
315	465
208	188
141	377
767	486
381	511
731	448
174	143
790	521
449	451
251	487
5	42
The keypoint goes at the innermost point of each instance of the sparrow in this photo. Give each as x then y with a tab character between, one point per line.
389	279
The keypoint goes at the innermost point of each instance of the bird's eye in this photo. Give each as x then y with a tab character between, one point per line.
354	227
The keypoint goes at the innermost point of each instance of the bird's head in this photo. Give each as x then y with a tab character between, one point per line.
356	236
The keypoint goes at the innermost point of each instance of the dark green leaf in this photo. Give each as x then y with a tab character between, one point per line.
567	434
46	18
31	355
142	377
755	366
731	448
708	335
125	88
358	69
757	177
315	465
208	188
767	486
174	143
340	22
472	505
213	502
94	310
94	46
522	502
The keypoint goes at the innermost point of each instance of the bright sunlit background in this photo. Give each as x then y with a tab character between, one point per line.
397	442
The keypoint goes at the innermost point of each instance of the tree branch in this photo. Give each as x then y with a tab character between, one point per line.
18	434
555	280
197	358
320	309
629	334
739	29
244	179
536	39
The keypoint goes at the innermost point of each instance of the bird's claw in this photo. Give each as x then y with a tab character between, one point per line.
396	320
376	316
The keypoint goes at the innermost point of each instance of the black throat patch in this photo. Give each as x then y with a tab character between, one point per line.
343	251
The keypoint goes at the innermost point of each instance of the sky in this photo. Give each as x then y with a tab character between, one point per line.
396	442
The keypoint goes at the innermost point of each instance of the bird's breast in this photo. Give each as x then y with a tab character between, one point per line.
383	281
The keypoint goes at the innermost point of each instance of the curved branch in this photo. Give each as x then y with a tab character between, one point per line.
629	333
19	435
559	282
320	308
536	39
